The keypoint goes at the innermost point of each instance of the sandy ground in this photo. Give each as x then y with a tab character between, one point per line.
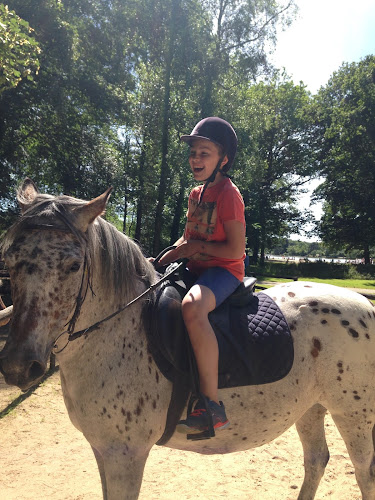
44	456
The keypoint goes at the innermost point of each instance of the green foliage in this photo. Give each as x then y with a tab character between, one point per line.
322	270
346	112
19	50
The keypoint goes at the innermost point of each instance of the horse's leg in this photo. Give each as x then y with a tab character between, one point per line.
310	428
357	432
123	469
100	463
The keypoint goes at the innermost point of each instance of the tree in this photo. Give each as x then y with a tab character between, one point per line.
274	159
19	50
346	116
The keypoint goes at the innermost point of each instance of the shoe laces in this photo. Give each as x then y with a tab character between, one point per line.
198	412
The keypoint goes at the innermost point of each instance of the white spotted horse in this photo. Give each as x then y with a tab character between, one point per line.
70	269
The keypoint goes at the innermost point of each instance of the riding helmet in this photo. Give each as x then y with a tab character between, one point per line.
217	131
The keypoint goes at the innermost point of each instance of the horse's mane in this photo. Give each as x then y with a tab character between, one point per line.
118	260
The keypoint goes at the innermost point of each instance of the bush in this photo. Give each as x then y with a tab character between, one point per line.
322	270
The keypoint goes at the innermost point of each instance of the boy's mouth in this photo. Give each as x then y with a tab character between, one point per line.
198	169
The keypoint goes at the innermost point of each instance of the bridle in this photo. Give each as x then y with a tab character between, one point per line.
80	299
75	335
86	282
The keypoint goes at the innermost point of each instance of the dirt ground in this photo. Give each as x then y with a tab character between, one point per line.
44	456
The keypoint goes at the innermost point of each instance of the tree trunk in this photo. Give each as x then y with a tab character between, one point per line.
141	180
175	229
164	169
366	252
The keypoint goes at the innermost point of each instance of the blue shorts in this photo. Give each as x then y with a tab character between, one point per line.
221	282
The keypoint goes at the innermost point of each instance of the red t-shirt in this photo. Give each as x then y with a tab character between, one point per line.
221	203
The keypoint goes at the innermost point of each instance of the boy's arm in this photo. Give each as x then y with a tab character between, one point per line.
232	248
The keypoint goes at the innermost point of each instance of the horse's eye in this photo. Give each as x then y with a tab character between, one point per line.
75	267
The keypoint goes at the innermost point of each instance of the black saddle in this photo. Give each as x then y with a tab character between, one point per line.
255	343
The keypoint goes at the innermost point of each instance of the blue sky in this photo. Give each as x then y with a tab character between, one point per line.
325	34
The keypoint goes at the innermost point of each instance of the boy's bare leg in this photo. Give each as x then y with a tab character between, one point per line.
196	305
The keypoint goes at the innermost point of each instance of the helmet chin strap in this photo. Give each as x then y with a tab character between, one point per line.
211	179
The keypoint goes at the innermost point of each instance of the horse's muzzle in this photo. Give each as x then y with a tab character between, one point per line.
24	373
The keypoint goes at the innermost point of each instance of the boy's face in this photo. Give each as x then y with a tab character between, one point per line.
203	159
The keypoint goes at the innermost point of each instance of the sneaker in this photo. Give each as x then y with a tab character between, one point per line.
197	421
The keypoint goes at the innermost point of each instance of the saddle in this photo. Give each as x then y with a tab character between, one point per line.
255	343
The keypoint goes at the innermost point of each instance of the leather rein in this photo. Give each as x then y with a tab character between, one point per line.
81	297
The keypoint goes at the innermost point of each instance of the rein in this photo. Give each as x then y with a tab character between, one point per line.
75	335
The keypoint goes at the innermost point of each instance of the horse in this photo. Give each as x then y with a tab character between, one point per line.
70	269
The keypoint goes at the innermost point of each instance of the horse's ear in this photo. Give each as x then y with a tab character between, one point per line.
86	214
26	194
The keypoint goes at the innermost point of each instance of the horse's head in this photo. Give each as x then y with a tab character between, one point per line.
48	261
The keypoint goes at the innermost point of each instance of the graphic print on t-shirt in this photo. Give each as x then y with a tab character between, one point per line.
201	223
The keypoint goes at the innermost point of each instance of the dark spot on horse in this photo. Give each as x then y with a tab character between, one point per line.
307	286
317	348
244	438
357	397
339	378
31	268
297	381
123	411
313	303
103	383
292	327
282	299
291	294
138	411
325	310
317	344
353	333
335	311
344	392
363	323
367	336
104	409
128	417
157	376
154	404
324	322
344	322
315	311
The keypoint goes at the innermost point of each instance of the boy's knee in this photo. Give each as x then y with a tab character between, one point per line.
192	310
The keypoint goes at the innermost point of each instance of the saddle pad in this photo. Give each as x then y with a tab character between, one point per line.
255	343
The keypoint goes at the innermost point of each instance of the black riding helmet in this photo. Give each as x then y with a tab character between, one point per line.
219	132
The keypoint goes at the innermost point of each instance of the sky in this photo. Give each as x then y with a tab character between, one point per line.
324	35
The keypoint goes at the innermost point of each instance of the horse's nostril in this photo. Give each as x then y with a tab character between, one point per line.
36	370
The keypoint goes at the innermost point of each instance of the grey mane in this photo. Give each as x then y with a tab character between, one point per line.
118	260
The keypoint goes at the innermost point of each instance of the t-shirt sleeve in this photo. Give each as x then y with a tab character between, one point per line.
232	206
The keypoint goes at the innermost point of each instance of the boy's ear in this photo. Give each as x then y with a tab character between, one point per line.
225	161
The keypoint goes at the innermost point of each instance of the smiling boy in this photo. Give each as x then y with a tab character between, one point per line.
214	243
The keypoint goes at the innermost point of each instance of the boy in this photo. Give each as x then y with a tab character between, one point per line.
214	243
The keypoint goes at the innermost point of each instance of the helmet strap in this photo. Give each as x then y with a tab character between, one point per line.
211	179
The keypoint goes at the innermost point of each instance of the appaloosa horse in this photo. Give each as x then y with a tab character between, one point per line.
69	266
